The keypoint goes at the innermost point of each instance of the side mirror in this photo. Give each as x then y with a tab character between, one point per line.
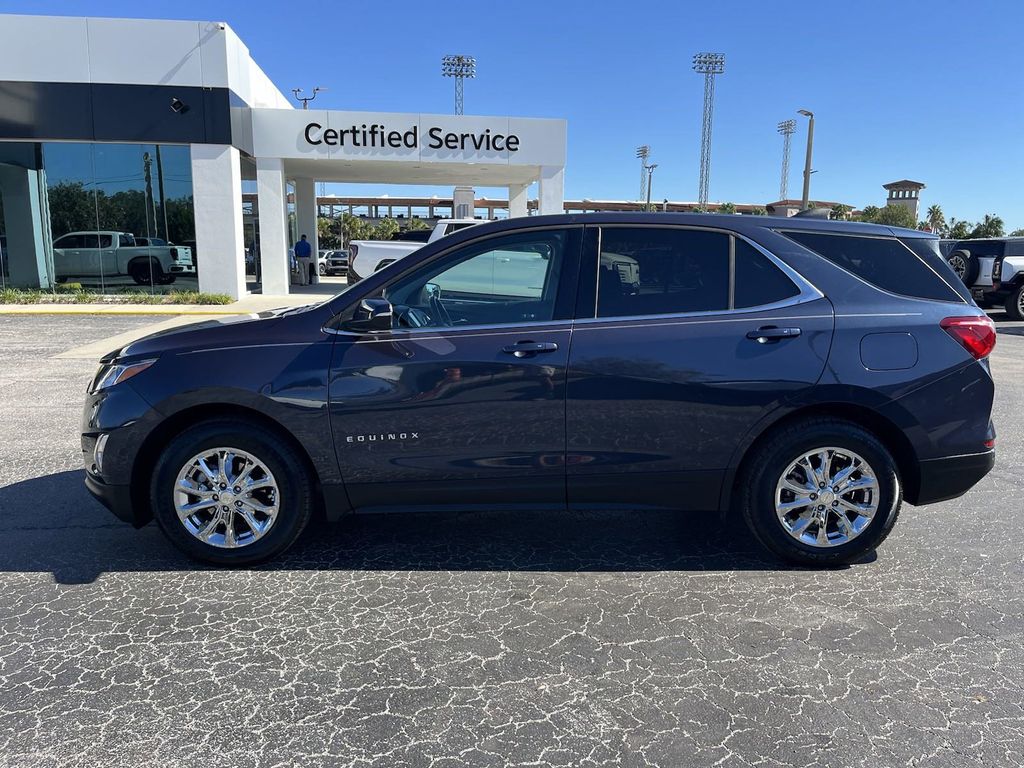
431	291
371	315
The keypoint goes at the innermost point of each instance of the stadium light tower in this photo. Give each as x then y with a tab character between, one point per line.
709	65
787	128
643	152
460	67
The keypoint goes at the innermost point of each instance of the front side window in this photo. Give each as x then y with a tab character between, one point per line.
663	270
510	279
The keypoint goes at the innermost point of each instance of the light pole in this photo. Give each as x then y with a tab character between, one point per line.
710	65
643	152
305	100
804	202
787	128
650	180
460	67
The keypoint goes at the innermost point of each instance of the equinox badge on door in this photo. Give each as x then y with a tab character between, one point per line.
383	437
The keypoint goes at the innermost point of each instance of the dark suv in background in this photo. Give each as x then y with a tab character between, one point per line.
805	375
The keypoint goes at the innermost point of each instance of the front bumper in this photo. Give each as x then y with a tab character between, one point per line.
950	477
125	418
116	498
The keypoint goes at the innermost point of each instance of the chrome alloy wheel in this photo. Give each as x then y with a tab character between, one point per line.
827	497
226	497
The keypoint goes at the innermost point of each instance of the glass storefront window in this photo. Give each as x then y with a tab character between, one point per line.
109	218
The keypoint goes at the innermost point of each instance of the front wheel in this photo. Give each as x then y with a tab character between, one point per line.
1015	304
228	492
322	269
821	492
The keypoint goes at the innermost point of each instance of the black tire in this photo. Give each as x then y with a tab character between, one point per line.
1015	304
139	271
293	479
322	268
765	467
965	265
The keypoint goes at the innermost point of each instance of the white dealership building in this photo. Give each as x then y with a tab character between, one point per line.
155	128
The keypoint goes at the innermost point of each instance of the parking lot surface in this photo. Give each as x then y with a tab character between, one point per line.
541	639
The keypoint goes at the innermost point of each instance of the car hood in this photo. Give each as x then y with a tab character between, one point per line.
235	330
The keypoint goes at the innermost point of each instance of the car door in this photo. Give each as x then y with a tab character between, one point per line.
462	401
67	256
691	336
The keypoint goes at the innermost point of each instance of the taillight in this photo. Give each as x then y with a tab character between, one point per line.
976	334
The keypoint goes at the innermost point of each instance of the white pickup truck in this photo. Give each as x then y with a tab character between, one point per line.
369	256
107	254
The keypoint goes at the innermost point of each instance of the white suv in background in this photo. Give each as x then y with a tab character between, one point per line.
993	270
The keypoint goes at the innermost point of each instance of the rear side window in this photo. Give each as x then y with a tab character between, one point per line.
758	281
884	262
657	271
661	270
927	248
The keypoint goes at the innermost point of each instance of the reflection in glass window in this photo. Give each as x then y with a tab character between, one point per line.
131	206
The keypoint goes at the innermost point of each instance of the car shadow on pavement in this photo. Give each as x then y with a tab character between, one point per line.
51	524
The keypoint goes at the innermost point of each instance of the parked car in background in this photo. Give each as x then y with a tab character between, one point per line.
993	270
795	374
337	262
321	262
369	256
106	254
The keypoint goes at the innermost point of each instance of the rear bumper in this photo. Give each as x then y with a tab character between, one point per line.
949	477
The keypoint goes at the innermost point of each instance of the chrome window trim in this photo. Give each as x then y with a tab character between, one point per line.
807	291
447	331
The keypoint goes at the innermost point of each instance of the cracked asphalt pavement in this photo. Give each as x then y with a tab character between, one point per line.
534	639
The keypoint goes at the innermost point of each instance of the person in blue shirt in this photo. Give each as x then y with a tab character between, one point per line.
304	254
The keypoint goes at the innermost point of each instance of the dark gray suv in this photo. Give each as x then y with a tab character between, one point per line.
806	376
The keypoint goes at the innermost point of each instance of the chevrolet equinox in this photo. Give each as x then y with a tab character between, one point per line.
808	376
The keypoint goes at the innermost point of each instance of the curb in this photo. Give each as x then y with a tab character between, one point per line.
119	309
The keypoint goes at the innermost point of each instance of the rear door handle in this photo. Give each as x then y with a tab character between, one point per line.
529	348
770	334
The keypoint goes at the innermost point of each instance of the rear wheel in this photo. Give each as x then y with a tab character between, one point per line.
1015	303
142	272
322	269
821	492
229	492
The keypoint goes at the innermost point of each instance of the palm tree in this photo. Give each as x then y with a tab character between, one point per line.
936	218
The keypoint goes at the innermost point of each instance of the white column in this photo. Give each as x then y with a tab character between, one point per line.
217	197
26	221
517	199
273	212
551	195
305	211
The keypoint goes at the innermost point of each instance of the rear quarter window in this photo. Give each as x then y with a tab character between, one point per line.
884	262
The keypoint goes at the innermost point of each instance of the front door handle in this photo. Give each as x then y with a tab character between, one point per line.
529	348
770	334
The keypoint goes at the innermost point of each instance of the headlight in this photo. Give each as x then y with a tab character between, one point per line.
114	373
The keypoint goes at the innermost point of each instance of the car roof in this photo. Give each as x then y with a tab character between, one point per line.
737	223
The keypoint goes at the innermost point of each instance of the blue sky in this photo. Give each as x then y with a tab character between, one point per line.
930	91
